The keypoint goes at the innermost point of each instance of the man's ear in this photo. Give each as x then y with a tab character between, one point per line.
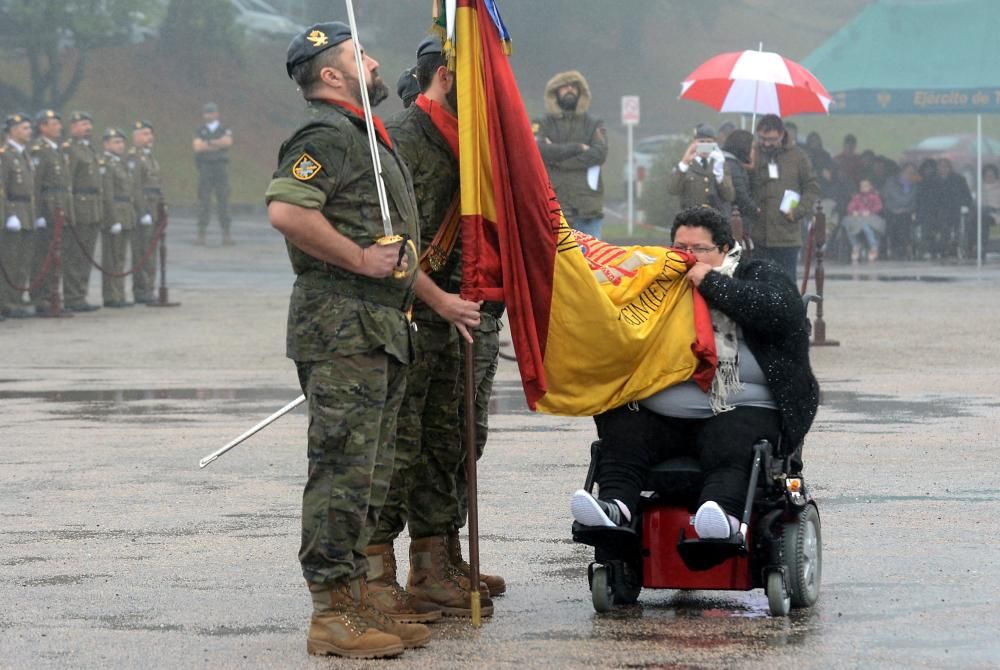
332	77
445	75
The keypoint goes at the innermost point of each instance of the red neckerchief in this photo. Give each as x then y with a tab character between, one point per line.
379	126
445	122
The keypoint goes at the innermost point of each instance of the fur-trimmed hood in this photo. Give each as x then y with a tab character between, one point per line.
561	79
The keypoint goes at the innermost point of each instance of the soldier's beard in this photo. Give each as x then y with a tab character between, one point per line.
377	90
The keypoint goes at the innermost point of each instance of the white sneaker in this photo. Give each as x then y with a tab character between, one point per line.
590	511
711	522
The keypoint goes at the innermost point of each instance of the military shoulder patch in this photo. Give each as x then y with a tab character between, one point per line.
306	167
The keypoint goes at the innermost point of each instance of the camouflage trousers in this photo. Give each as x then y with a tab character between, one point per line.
428	443
485	357
353	402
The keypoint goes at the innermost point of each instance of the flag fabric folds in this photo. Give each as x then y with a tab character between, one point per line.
594	325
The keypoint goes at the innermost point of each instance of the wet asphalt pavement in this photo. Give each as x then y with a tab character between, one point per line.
116	551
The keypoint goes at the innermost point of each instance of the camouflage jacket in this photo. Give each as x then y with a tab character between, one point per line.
326	165
435	183
119	192
86	180
148	184
51	179
19	185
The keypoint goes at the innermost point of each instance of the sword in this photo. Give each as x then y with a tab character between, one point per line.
389	236
256	429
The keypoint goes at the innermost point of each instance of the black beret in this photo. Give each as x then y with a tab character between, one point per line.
15	120
139	125
112	133
314	41
79	116
45	114
408	88
430	45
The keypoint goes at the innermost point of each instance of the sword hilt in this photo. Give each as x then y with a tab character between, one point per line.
407	243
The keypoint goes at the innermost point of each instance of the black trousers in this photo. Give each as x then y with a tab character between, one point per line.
213	179
633	440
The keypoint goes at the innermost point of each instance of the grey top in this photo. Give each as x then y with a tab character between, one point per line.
687	401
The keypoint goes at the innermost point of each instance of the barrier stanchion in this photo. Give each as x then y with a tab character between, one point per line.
819	326
55	310
164	293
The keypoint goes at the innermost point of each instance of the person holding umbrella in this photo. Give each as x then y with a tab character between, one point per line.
786	189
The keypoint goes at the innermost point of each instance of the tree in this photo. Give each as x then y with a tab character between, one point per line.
198	32
54	36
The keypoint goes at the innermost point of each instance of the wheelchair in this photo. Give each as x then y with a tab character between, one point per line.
778	547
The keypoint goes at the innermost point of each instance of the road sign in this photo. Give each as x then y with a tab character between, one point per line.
630	110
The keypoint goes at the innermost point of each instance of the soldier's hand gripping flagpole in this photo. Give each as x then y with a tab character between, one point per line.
389	236
256	429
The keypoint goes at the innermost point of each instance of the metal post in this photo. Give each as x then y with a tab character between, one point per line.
979	191
164	294
819	326
631	180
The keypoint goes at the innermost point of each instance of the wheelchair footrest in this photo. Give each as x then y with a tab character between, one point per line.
699	554
602	536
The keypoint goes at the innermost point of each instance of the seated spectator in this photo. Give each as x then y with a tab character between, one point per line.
899	204
763	388
863	219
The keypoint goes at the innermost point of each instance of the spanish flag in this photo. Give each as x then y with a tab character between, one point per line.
594	325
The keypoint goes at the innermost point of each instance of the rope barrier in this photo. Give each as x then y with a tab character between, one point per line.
44	270
161	227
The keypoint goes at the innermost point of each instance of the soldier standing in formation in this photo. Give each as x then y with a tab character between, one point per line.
119	217
86	181
574	146
149	194
211	156
19	215
53	197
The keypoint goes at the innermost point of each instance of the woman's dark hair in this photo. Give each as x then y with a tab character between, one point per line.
427	67
738	143
708	218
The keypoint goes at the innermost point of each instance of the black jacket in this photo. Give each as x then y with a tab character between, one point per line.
765	303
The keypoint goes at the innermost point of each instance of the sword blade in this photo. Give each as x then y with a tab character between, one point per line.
256	429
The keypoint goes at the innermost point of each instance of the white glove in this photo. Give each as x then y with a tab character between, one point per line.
116	228
40	222
13	223
718	165
146	220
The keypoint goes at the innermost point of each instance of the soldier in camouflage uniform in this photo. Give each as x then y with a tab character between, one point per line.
16	238
428	444
119	217
86	182
52	195
149	197
347	331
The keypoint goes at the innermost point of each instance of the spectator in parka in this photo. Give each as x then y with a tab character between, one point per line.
574	146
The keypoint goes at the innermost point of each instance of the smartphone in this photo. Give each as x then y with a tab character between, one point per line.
705	148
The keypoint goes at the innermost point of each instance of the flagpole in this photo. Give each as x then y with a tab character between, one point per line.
756	92
470	469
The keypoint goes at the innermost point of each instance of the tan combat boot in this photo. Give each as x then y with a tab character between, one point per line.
433	579
411	634
494	583
385	593
338	627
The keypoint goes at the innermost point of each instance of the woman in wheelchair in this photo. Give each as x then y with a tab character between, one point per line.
763	388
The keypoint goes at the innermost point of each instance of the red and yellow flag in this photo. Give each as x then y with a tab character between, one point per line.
594	325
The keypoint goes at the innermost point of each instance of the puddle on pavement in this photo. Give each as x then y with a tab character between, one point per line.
885	409
930	279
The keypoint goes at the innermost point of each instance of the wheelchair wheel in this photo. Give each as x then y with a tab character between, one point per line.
600	589
778	600
803	552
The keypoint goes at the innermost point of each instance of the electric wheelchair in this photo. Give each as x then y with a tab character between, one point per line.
778	547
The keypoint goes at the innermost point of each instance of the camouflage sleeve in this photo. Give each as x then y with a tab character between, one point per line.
309	169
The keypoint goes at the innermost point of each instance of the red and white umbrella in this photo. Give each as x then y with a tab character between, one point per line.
756	82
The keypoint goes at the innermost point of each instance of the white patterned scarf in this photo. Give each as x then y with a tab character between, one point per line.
727	334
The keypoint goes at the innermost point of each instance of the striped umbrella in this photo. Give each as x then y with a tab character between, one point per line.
756	82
